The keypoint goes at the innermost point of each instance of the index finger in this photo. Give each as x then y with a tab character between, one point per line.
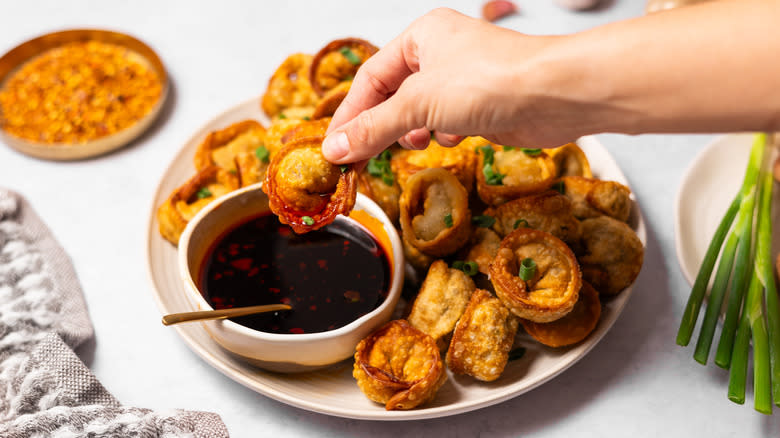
377	79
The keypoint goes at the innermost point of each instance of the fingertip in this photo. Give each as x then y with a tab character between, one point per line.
418	139
447	140
335	147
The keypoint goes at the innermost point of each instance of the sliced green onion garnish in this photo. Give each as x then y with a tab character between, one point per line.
448	220
520	223
350	55
488	152
379	167
508	148
492	178
262	154
483	221
531	152
306	118
559	187
343	168
282	116
468	268
203	193
308	220
527	269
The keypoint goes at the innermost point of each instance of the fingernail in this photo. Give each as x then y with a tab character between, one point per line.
335	146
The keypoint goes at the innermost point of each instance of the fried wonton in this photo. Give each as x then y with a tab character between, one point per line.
235	149
612	254
385	193
547	211
572	328
337	62
482	339
327	106
592	198
289	86
459	160
304	189
414	257
441	301
553	286
399	366
484	247
570	160
506	173
187	200
434	212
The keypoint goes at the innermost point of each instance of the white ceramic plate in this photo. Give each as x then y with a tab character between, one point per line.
333	391
707	189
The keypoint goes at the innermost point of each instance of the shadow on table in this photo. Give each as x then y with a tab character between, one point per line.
609	364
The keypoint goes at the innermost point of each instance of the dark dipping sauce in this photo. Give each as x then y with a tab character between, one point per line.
330	277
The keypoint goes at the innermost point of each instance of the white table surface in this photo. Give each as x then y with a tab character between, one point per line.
636	382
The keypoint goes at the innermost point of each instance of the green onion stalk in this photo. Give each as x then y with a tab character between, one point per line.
755	320
745	272
691	313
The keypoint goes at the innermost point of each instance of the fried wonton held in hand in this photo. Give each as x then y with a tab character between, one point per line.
435	215
552	287
304	189
484	247
327	106
182	205
506	173
399	365
570	160
459	160
573	327
482	339
239	149
612	254
289	86
441	301
337	62
548	211
593	198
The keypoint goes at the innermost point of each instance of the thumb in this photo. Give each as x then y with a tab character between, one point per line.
376	128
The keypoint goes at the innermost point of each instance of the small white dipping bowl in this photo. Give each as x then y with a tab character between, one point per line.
283	352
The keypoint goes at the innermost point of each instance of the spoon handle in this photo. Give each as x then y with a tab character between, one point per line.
175	318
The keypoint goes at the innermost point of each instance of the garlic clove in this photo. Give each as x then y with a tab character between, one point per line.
495	9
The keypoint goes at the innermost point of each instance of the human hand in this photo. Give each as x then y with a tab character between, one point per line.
451	74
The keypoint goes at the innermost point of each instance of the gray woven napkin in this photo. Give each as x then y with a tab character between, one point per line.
45	389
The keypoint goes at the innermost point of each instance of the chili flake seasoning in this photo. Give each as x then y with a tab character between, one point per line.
78	92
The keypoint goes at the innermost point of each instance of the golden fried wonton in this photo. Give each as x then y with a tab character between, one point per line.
459	160
337	62
506	173
304	189
441	301
435	217
289	86
553	287
593	198
399	366
547	211
186	201
612	254
570	160
482	339
573	327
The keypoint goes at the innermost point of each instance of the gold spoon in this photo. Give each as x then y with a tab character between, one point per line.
175	318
